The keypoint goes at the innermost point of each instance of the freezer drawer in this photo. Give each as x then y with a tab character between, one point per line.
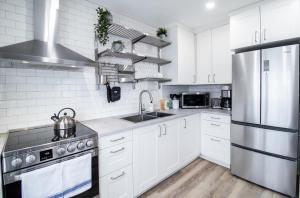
274	173
280	87
246	87
271	141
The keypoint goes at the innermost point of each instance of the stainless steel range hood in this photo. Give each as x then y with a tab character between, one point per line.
44	49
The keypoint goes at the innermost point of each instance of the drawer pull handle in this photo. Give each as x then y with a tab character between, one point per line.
184	123
217	125
215	140
165	126
215	118
115	140
116	177
116	151
159	131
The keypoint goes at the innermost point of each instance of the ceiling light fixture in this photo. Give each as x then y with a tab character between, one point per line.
210	5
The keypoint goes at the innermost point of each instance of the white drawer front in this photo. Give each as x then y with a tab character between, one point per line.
216	117
216	148
115	139
114	158
217	129
118	184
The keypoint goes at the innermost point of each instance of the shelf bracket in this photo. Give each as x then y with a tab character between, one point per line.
134	41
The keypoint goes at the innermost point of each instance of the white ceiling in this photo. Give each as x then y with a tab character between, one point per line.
191	13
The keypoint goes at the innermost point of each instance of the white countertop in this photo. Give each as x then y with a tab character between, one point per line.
111	125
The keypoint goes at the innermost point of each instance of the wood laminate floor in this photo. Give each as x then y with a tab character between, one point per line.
203	179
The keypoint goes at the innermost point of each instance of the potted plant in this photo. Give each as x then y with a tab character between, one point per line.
162	33
102	26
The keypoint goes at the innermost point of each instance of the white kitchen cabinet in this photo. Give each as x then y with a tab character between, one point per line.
279	20
245	28
221	56
182	54
214	56
117	184
145	158
265	22
188	139
215	138
204	58
168	156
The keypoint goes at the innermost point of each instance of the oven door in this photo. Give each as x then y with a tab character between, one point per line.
12	183
194	100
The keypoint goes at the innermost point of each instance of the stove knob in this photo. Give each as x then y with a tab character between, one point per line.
80	146
61	151
30	159
17	162
71	148
90	143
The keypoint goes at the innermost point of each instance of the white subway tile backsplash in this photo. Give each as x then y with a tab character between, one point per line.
16	111
15	79
35	80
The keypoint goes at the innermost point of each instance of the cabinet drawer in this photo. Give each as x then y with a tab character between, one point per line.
216	148
217	129
216	117
115	139
118	184
115	157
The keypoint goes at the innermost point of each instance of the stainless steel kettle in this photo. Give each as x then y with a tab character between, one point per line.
64	126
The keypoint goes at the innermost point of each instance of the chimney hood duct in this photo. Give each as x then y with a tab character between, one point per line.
44	49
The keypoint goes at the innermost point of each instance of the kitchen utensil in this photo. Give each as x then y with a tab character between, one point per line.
215	103
108	92
115	94
64	126
117	46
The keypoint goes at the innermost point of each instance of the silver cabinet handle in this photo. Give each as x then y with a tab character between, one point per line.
208	77
119	150
265	34
159	131
214	80
255	36
215	140
165	126
116	177
115	140
217	125
215	118
184	123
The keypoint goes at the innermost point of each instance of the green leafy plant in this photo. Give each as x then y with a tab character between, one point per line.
162	32
102	26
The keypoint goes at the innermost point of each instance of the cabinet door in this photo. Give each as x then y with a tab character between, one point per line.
221	56
145	158
117	184
280	20
188	139
204	64
245	28
186	57
168	148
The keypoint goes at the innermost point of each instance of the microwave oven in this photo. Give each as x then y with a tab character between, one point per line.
195	100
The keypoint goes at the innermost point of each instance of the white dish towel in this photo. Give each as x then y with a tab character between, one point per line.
76	175
42	183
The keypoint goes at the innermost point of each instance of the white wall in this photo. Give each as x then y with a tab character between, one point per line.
28	97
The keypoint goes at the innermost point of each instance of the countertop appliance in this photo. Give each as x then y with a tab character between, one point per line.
226	97
32	149
194	100
215	103
265	109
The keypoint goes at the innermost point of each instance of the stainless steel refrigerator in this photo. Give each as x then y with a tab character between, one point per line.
265	109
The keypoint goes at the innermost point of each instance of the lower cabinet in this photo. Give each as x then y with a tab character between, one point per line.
189	133
117	184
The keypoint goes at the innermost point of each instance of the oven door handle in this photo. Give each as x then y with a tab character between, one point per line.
16	176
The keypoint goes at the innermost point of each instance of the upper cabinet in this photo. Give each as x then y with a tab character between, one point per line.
269	21
182	53
214	56
245	28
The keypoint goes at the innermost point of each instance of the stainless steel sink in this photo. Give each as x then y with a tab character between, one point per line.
145	117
